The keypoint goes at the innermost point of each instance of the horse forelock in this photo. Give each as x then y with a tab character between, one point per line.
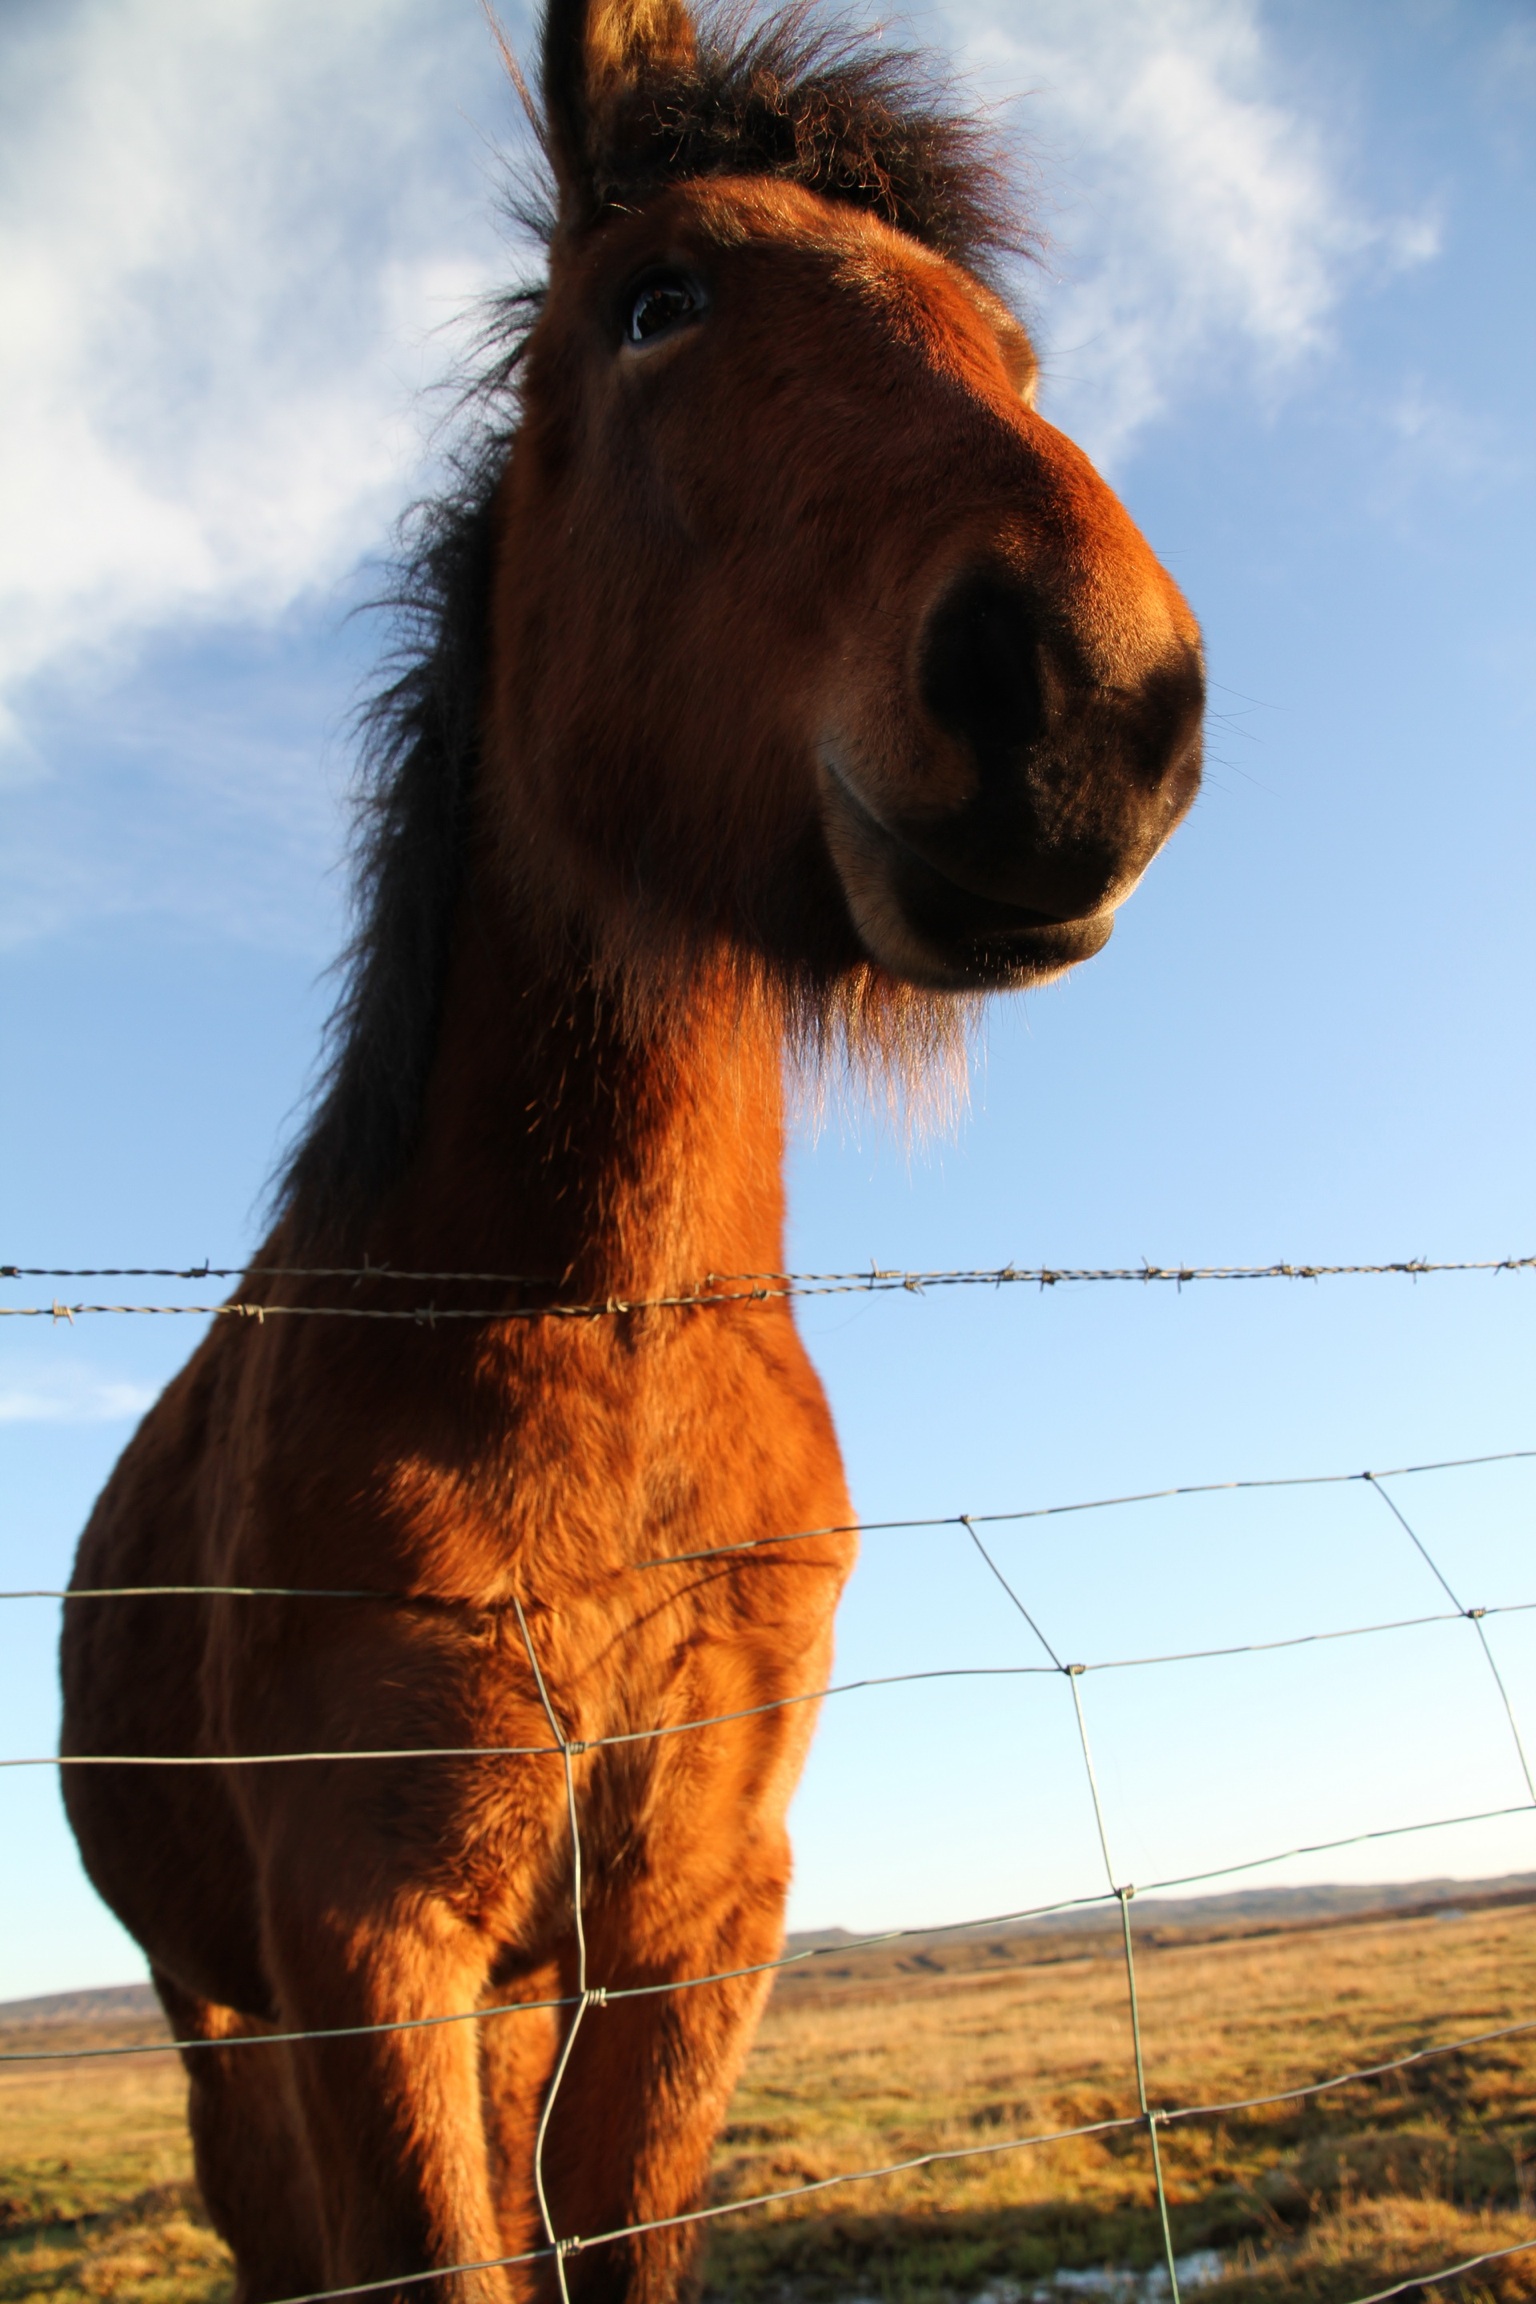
824	108
781	99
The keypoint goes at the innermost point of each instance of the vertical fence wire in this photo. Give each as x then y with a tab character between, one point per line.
1474	1617
1122	1892
586	1997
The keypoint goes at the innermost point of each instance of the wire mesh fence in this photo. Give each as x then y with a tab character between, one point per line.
1154	2119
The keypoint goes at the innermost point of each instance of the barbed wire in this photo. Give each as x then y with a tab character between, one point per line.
891	1276
714	1289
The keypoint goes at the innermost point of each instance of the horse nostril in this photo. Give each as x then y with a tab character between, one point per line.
980	672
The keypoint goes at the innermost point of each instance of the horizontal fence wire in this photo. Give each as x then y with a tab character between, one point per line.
745	1288
1418	2280
580	1745
966	1520
970	1522
841	1950
561	2249
1155	2117
1099	1504
1421	2281
1429	2280
714	1289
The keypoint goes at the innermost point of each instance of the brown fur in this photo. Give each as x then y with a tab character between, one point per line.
815	684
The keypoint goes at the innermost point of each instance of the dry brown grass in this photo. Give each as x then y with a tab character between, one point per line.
1326	2198
870	2058
96	2198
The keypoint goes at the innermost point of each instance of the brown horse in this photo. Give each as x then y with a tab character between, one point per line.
779	676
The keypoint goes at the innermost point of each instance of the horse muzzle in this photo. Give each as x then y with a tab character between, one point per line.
990	844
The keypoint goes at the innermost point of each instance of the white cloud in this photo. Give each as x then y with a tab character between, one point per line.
70	1393
1199	216
226	236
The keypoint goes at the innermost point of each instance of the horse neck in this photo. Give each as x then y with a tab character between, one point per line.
564	1139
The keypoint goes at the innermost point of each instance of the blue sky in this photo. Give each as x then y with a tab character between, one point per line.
1288	301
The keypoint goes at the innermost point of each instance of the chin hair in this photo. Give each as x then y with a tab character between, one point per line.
867	1044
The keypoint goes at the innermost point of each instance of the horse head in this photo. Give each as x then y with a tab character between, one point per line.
812	637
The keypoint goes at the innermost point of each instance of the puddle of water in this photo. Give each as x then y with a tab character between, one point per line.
1104	2284
1112	2283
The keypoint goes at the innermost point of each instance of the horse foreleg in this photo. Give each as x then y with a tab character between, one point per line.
645	2090
518	2048
248	2146
396	2137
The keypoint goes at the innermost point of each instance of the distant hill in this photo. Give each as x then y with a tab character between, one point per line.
83	2007
1244	1910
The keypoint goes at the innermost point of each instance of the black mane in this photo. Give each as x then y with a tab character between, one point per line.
785	100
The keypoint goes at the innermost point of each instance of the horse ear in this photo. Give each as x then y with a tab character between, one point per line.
598	57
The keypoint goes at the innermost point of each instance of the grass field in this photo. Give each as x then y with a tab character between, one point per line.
867	2058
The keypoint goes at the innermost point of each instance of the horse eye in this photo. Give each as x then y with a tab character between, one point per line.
666	301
